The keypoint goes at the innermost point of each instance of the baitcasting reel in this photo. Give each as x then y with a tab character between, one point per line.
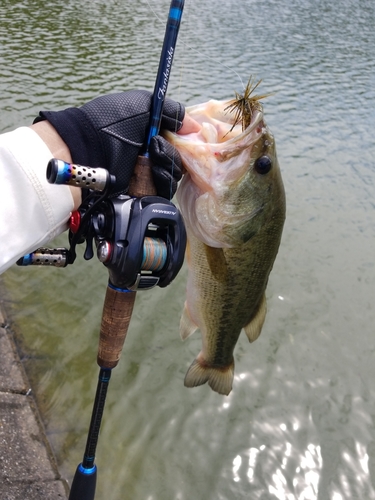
140	240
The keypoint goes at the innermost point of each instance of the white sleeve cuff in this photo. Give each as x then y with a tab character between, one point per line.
32	211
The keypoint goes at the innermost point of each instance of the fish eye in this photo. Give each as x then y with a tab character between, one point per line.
263	165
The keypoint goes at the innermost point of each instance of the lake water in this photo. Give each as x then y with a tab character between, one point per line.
300	421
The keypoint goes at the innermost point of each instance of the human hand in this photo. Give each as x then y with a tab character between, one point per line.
110	131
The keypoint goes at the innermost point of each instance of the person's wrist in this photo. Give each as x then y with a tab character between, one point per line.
59	149
54	142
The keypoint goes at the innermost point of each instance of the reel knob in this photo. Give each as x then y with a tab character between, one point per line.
61	172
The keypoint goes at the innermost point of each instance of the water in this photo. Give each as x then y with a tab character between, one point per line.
300	421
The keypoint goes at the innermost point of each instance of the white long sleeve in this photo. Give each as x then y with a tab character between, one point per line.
32	211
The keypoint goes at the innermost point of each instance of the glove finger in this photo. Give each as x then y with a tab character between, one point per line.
173	115
165	183
167	169
163	154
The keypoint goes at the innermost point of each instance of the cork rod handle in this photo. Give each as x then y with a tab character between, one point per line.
118	304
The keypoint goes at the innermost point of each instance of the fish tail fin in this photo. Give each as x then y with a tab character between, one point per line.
219	379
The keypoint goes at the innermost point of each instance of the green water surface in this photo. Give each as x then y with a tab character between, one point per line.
300	421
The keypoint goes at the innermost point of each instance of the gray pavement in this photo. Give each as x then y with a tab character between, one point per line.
28	470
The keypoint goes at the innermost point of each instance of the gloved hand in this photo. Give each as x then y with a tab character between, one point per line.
110	131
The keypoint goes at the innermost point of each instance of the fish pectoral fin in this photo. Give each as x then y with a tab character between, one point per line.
254	327
217	263
187	325
220	379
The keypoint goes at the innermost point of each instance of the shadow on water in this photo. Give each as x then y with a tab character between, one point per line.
299	423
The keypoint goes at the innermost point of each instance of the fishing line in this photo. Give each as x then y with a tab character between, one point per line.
177	113
180	65
191	48
186	16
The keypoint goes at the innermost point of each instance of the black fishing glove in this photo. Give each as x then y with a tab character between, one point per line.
109	132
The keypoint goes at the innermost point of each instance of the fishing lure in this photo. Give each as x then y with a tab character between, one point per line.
244	105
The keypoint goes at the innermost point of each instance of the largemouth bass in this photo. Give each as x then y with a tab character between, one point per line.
233	203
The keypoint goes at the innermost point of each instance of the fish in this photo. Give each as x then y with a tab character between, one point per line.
232	200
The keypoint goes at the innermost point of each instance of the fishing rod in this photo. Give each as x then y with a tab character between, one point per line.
153	255
119	300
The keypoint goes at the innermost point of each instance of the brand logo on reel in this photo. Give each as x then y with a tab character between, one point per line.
166	212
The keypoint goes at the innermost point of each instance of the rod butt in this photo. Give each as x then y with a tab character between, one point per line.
84	484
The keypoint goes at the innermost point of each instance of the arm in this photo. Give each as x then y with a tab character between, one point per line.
33	212
58	149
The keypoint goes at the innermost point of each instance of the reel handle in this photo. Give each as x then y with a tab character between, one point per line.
61	172
118	304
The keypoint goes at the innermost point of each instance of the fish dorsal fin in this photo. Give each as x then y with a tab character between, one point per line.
217	263
187	326
254	327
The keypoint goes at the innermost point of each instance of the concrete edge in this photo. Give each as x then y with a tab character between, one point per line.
28	467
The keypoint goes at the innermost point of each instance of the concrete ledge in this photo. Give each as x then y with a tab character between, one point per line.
11	379
27	468
33	491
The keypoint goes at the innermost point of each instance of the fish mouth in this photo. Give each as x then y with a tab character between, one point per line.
217	160
214	149
218	124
